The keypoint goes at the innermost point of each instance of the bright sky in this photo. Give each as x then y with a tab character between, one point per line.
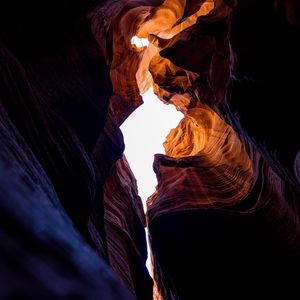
144	133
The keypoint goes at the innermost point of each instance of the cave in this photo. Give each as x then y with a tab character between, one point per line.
223	220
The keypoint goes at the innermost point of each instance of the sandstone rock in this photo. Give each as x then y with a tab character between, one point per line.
125	235
226	210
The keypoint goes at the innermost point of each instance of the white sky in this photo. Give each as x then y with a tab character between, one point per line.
144	133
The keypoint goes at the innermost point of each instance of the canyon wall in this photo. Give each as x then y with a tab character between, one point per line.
225	214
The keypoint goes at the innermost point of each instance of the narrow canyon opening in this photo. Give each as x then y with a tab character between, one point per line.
144	132
218	194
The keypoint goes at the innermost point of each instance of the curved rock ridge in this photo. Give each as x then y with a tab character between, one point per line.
226	211
121	218
43	255
211	166
206	164
129	65
108	149
124	226
225	172
192	216
210	163
58	143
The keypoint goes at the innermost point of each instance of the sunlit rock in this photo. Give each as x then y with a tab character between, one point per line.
225	214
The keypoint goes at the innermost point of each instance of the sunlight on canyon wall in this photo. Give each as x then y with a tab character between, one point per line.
144	132
207	162
205	93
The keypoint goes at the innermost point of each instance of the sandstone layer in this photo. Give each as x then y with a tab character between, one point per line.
225	214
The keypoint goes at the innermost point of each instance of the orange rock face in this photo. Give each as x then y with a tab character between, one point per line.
224	220
210	164
206	165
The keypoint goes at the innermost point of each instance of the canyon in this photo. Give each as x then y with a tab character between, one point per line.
224	220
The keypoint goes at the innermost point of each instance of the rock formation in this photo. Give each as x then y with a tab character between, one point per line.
225	214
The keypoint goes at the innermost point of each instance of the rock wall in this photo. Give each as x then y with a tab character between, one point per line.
58	146
224	202
225	215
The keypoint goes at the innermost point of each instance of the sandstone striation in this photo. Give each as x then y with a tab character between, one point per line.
225	214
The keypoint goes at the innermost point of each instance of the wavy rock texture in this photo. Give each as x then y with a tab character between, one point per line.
125	221
213	165
226	210
43	256
116	224
59	141
108	149
206	166
220	196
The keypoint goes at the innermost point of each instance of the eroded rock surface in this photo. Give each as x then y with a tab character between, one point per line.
220	195
226	210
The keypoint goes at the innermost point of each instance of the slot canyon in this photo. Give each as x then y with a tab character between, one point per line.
224	219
